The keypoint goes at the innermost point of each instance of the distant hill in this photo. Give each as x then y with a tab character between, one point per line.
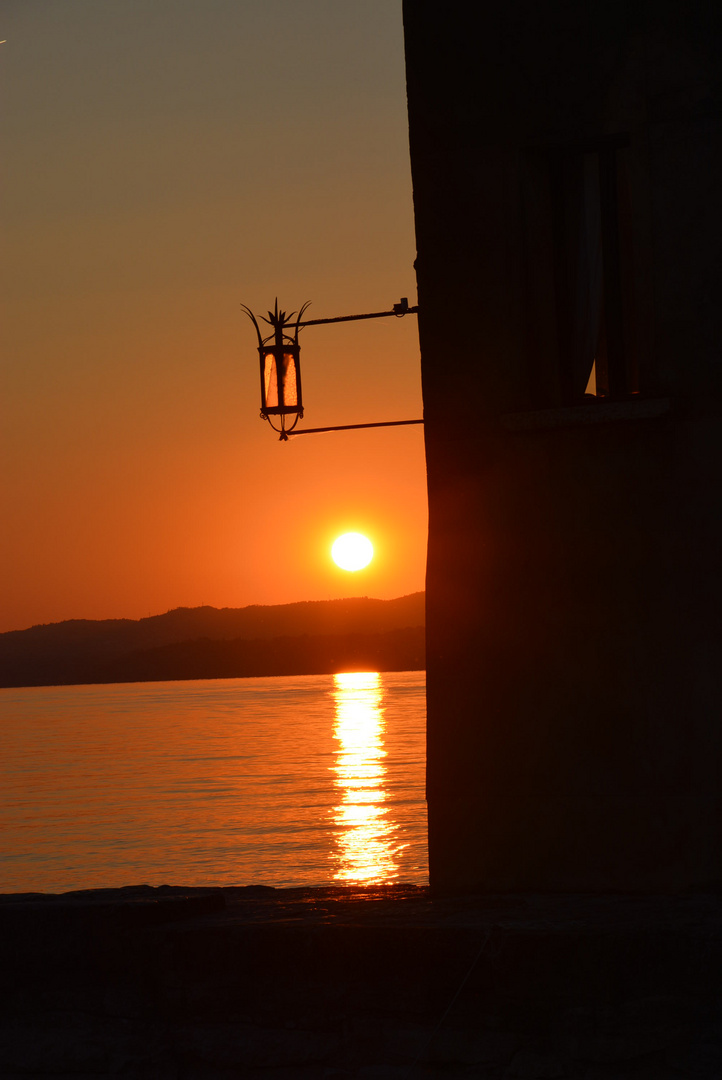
313	637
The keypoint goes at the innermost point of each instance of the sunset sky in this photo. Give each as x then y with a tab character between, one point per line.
165	161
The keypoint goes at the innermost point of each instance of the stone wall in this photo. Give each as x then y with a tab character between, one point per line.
365	984
573	588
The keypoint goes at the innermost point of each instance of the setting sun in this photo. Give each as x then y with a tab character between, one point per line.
352	551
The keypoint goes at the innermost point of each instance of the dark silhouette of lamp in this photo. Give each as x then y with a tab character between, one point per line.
280	356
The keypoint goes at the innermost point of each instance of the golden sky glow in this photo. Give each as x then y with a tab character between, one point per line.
155	179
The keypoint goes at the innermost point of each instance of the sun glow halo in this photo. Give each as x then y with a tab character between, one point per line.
352	551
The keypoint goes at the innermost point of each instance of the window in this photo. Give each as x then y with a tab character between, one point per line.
579	254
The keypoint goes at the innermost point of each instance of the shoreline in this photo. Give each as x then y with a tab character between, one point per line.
350	669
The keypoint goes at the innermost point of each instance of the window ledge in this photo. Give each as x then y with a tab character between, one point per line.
598	412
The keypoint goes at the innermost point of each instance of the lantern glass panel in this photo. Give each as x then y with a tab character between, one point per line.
290	386
270	380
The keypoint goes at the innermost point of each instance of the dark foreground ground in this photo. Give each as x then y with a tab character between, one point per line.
379	984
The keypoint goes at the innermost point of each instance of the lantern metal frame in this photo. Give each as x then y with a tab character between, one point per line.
282	347
281	344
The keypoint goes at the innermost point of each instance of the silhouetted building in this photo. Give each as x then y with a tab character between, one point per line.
568	198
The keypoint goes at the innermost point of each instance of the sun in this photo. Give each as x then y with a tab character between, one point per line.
352	551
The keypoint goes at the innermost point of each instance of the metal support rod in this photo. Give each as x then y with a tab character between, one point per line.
351	427
355	318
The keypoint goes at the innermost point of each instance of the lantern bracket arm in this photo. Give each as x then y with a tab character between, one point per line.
399	310
348	427
279	320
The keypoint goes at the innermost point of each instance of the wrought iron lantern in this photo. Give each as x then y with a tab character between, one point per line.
279	354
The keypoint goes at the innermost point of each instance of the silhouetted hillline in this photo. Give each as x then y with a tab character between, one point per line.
83	650
395	650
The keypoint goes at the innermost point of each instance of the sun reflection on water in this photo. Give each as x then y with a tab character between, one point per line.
367	851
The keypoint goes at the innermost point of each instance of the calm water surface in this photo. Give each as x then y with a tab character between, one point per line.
303	780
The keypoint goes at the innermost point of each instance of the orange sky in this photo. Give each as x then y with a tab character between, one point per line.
164	162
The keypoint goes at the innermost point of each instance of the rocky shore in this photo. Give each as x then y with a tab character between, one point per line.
376	984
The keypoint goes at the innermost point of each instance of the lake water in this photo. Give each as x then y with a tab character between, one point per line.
306	780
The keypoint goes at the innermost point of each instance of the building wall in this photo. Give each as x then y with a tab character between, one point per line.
573	585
